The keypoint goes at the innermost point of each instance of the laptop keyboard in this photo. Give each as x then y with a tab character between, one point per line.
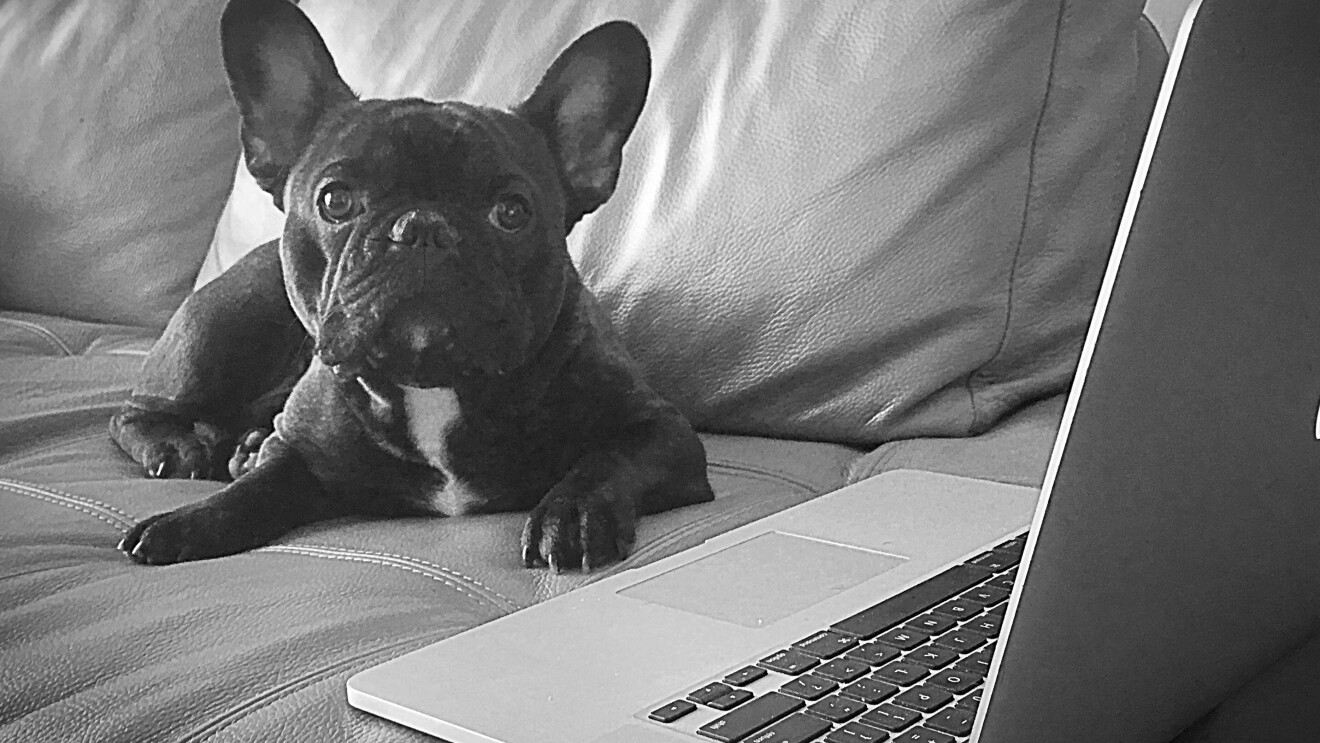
909	669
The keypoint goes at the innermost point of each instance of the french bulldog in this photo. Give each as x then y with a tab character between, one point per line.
418	341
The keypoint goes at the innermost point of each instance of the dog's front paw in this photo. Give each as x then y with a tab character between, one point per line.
188	533
169	445
568	530
184	456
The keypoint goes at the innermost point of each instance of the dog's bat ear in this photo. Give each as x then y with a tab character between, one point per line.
586	106
284	81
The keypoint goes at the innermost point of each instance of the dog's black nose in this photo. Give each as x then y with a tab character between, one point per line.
420	227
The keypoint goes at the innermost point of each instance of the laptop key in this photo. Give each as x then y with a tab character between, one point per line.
891	718
971	701
1004	581
932	624
923	735
958	609
956	680
953	720
869	690
856	732
995	560
792	729
825	644
1015	546
964	641
902	673
998	611
870	622
708	692
843	669
988	625
789	662
903	638
836	708
986	595
809	687
924	698
672	711
972	664
932	656
873	653
750	717
744	676
730	700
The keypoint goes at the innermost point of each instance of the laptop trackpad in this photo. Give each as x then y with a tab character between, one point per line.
764	579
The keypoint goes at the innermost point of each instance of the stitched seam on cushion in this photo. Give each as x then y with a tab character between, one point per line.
123	522
80	509
351	557
422	567
126	517
739	467
68	501
512	605
256	704
44	333
1026	213
368	559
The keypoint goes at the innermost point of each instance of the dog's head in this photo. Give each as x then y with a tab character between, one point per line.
425	242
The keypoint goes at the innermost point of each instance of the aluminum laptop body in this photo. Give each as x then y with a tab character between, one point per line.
1172	551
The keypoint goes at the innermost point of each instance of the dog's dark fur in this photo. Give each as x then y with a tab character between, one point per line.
420	329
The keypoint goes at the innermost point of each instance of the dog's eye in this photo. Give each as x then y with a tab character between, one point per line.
337	202
511	212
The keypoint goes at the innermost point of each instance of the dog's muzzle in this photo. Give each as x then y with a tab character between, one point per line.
425	307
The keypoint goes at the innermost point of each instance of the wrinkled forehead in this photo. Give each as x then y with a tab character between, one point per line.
425	147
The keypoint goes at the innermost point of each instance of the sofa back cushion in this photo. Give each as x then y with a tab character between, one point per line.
117	144
846	221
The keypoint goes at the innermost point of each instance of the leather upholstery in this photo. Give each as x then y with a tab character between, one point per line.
843	221
256	646
117	143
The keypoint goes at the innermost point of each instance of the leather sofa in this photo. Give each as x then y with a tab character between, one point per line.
850	238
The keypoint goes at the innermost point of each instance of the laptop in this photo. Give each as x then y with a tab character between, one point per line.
1169	557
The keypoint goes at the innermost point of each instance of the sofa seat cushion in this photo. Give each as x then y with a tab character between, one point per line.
1015	452
843	221
254	646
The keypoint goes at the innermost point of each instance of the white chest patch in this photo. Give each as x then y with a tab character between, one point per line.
430	415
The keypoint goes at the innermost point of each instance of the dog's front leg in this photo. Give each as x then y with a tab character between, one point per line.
589	518
223	365
276	496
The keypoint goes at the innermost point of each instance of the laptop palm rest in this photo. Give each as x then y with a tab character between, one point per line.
764	579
